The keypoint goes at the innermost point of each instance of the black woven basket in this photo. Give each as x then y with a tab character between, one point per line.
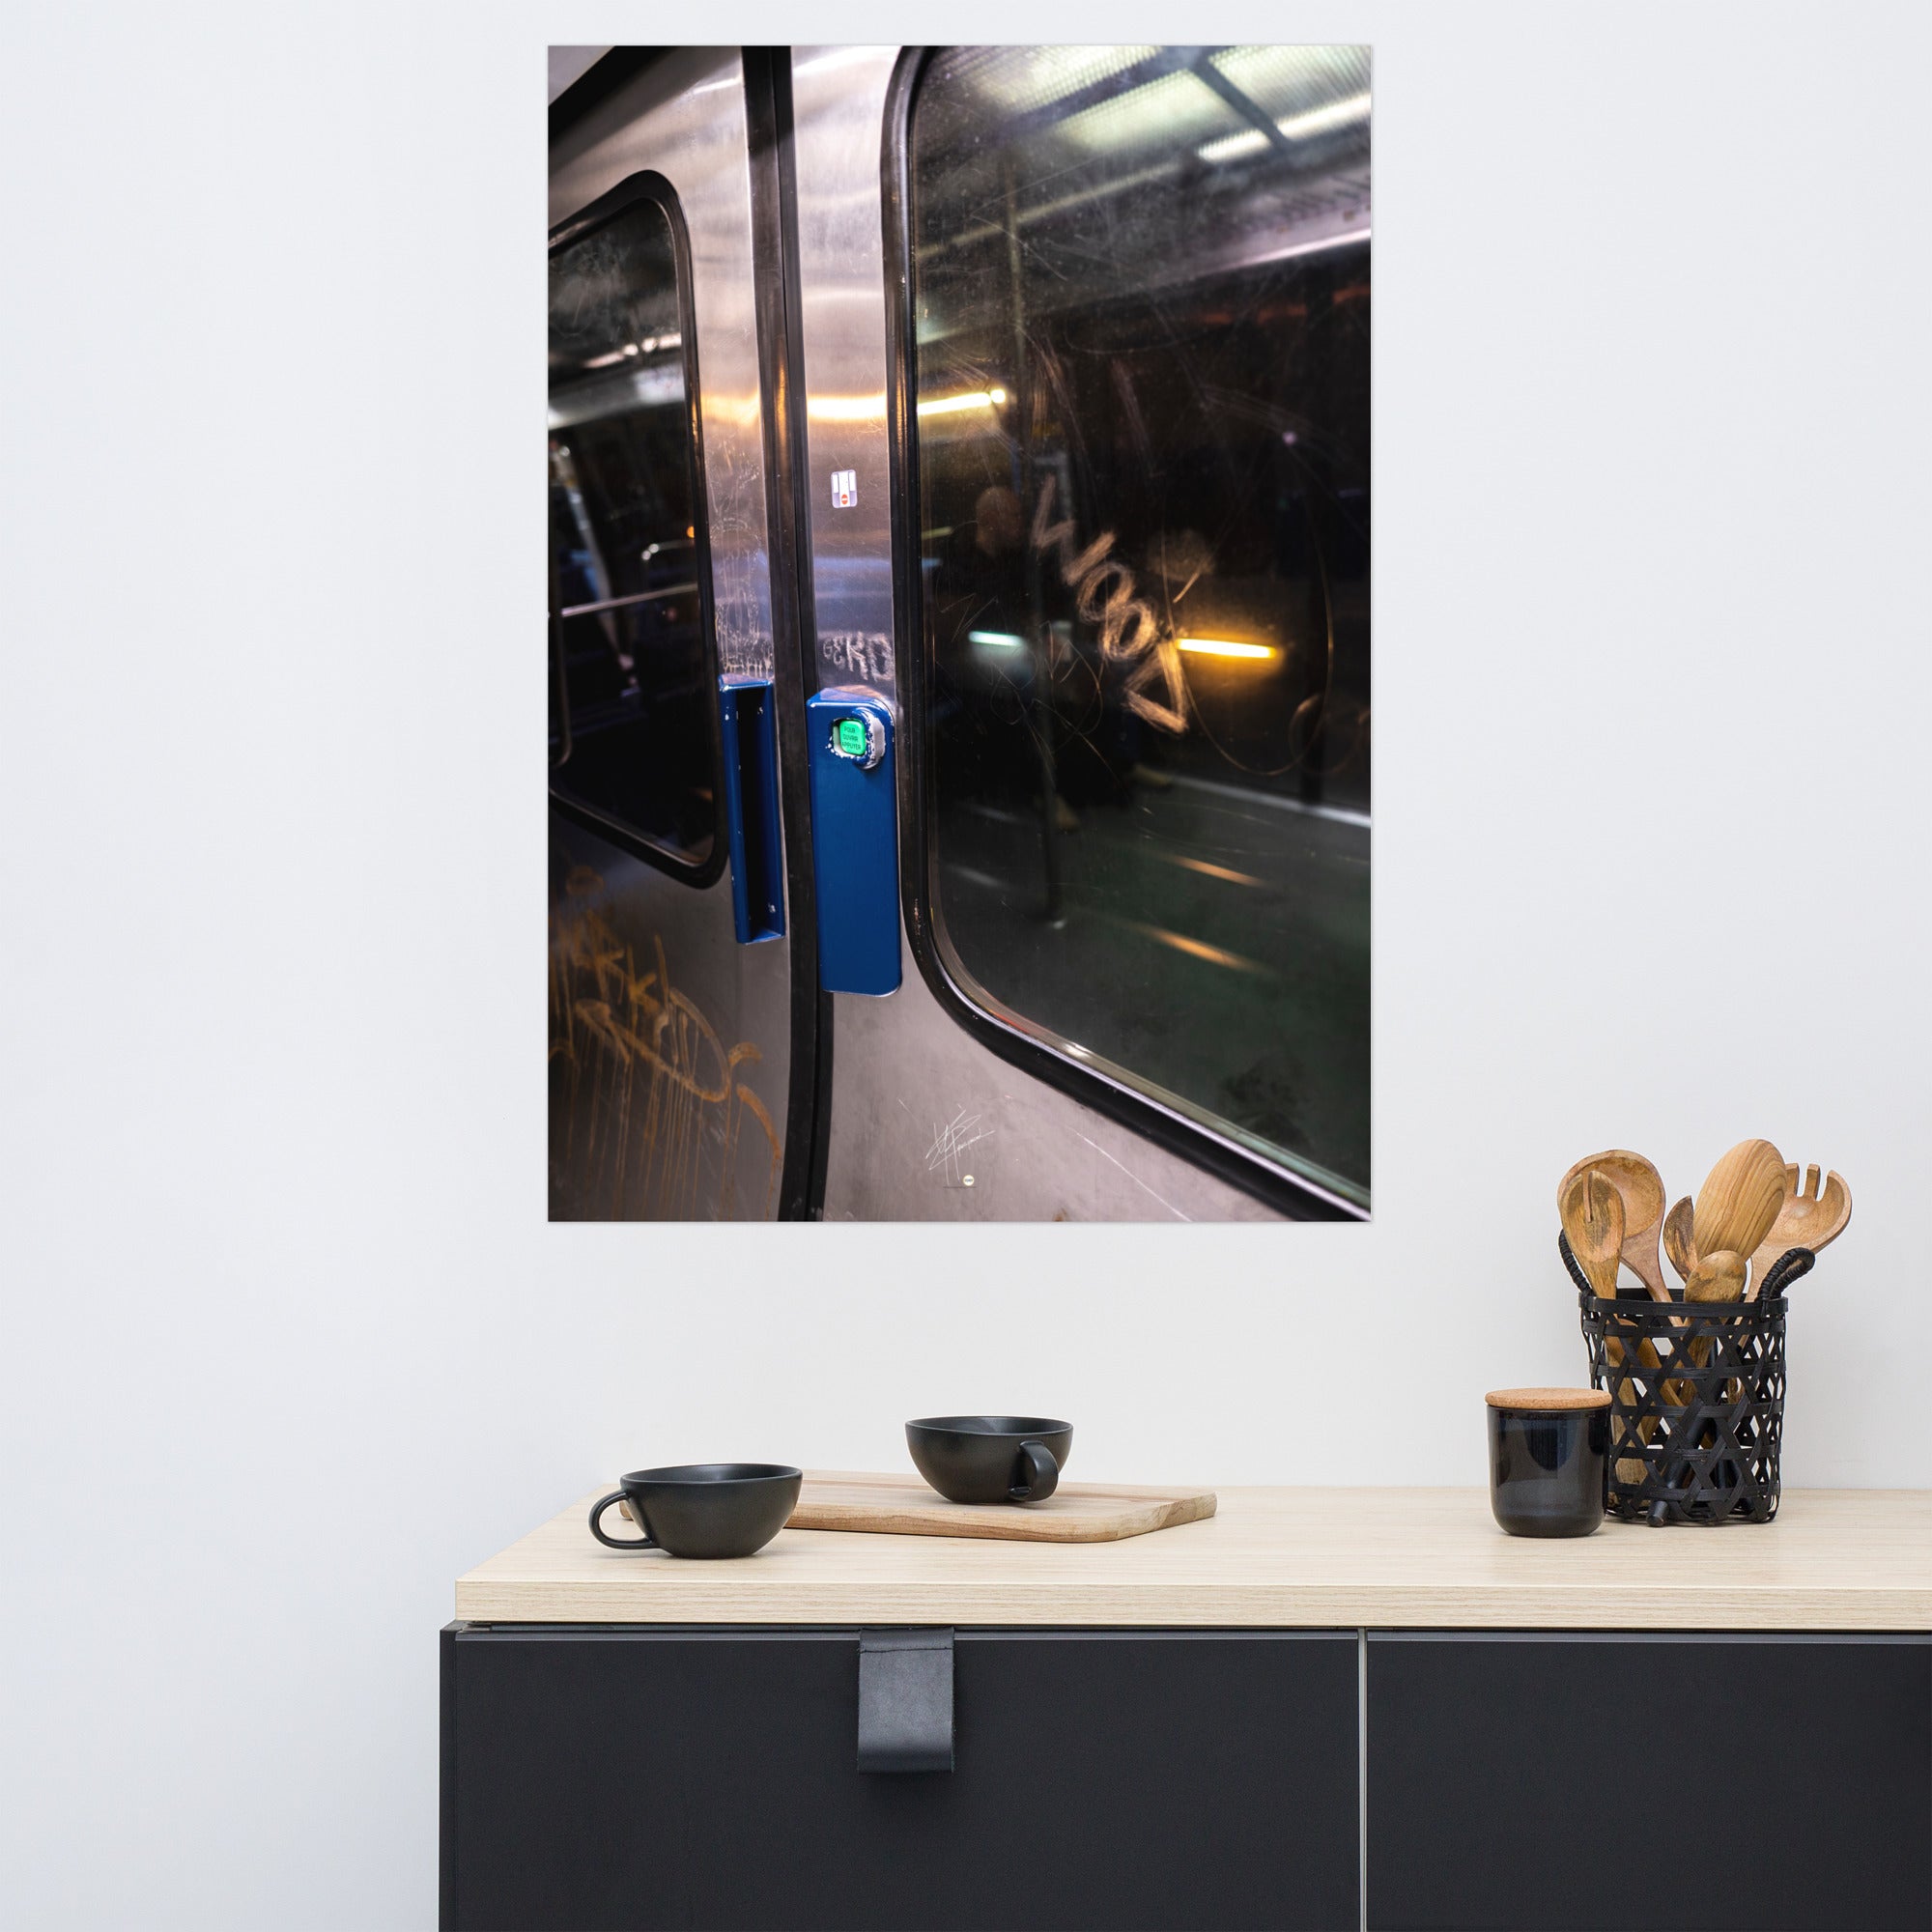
1696	1400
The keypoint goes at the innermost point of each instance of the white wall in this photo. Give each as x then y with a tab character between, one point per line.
288	1342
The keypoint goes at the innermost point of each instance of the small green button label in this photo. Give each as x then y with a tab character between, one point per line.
852	737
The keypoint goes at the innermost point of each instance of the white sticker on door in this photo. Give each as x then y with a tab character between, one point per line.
844	489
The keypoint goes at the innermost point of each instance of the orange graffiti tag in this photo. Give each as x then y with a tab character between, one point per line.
653	1105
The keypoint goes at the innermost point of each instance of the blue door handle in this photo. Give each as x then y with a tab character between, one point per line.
747	723
855	849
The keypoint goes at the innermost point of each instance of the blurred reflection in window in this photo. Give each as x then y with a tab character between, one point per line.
624	556
1141	287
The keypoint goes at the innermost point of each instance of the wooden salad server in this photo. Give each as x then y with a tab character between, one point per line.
1592	1211
1593	1218
1641	1188
1810	1216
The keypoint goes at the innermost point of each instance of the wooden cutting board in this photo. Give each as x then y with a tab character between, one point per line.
1075	1512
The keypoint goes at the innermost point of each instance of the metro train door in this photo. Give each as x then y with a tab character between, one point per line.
683	992
959	633
1085	353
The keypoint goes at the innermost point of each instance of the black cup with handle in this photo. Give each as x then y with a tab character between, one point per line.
702	1509
990	1458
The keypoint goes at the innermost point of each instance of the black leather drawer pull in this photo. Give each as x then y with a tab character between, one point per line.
906	1700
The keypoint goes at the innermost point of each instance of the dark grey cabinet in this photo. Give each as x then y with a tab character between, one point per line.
603	1778
1568	1783
612	1776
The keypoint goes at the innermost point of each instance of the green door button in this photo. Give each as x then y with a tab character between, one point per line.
860	738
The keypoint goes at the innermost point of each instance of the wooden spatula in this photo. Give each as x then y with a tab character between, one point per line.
1739	1200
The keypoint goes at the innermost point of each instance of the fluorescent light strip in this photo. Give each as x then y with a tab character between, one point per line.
1320	247
1224	647
1296	127
1003	640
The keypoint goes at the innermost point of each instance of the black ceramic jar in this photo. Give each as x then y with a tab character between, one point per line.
1549	1456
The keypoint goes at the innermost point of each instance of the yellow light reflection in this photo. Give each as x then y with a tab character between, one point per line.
1199	948
1225	648
847	409
1212	871
946	406
722	407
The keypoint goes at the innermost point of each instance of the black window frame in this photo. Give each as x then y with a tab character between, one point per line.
1032	1047
648	185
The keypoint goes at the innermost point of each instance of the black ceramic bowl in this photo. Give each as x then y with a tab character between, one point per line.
703	1509
990	1458
1549	1451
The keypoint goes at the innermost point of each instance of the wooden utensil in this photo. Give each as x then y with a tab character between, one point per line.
1717	1277
1739	1201
1593	1218
1679	1241
1808	1217
1593	1222
1641	1188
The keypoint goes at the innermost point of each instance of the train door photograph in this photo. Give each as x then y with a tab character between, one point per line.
958	642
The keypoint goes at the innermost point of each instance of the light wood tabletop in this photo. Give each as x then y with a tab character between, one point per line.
1835	1559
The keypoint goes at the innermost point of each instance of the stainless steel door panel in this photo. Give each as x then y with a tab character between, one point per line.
670	1043
917	1103
838	95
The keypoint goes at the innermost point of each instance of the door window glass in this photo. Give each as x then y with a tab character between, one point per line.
637	744
1141	308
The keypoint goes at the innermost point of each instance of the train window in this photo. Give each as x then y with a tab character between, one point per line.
633	713
1140	362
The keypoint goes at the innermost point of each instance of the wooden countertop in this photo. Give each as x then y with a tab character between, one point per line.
1835	1559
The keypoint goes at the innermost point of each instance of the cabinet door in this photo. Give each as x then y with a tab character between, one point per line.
1633	1781
602	1778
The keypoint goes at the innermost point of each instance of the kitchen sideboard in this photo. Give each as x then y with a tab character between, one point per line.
1318	1708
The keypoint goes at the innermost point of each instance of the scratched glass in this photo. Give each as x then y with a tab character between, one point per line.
1141	286
626	613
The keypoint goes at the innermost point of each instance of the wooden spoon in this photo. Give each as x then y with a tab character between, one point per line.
1641	1188
1716	1278
1593	1218
1739	1201
1808	1217
1680	1242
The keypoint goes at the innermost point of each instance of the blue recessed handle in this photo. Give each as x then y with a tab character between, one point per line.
854	847
748	721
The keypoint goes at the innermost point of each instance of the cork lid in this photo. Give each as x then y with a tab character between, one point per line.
1547	1400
